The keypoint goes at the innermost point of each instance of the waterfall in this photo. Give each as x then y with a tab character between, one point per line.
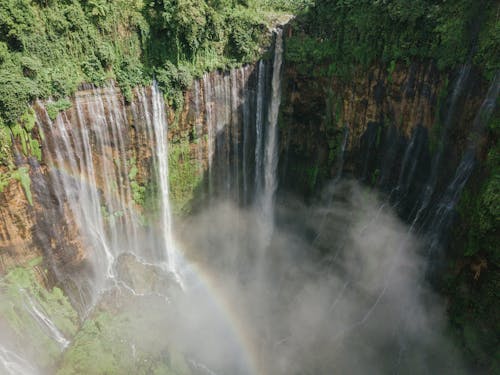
410	161
430	186
208	93
46	323
246	137
259	119
161	151
91	159
271	148
443	217
103	160
13	364
75	156
198	126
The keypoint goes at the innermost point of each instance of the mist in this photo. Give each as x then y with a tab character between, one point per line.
335	287
339	289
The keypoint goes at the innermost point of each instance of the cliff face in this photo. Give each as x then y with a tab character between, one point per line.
398	130
412	132
16	229
384	113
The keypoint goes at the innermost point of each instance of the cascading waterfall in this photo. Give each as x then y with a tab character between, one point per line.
430	186
46	323
241	121
89	155
160	130
246	135
271	150
442	218
13	364
91	151
259	119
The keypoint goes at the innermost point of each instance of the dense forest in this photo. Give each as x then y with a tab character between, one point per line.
48	48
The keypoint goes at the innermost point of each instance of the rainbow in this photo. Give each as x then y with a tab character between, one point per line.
231	316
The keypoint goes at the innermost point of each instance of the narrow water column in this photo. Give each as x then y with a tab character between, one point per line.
208	94
245	135
235	134
160	129
227	125
259	119
198	126
271	149
430	186
443	216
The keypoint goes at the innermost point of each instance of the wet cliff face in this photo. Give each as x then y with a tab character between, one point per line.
16	229
398	130
402	131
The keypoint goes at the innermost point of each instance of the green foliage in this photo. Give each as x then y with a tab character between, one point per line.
185	174
128	342
20	288
474	298
489	44
337	36
173	80
5	145
23	176
390	70
138	190
481	211
48	48
293	6
195	36
22	132
53	108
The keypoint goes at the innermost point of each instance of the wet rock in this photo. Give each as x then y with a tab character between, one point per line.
144	278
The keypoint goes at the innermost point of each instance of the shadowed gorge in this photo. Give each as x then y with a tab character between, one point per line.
219	187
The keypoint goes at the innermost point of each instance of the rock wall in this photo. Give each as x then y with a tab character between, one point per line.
397	123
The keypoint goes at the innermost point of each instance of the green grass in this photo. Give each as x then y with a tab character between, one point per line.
17	286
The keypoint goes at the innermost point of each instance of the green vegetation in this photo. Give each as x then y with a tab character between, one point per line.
22	175
185	175
474	283
127	342
435	136
48	48
22	132
335	37
53	108
138	190
20	288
